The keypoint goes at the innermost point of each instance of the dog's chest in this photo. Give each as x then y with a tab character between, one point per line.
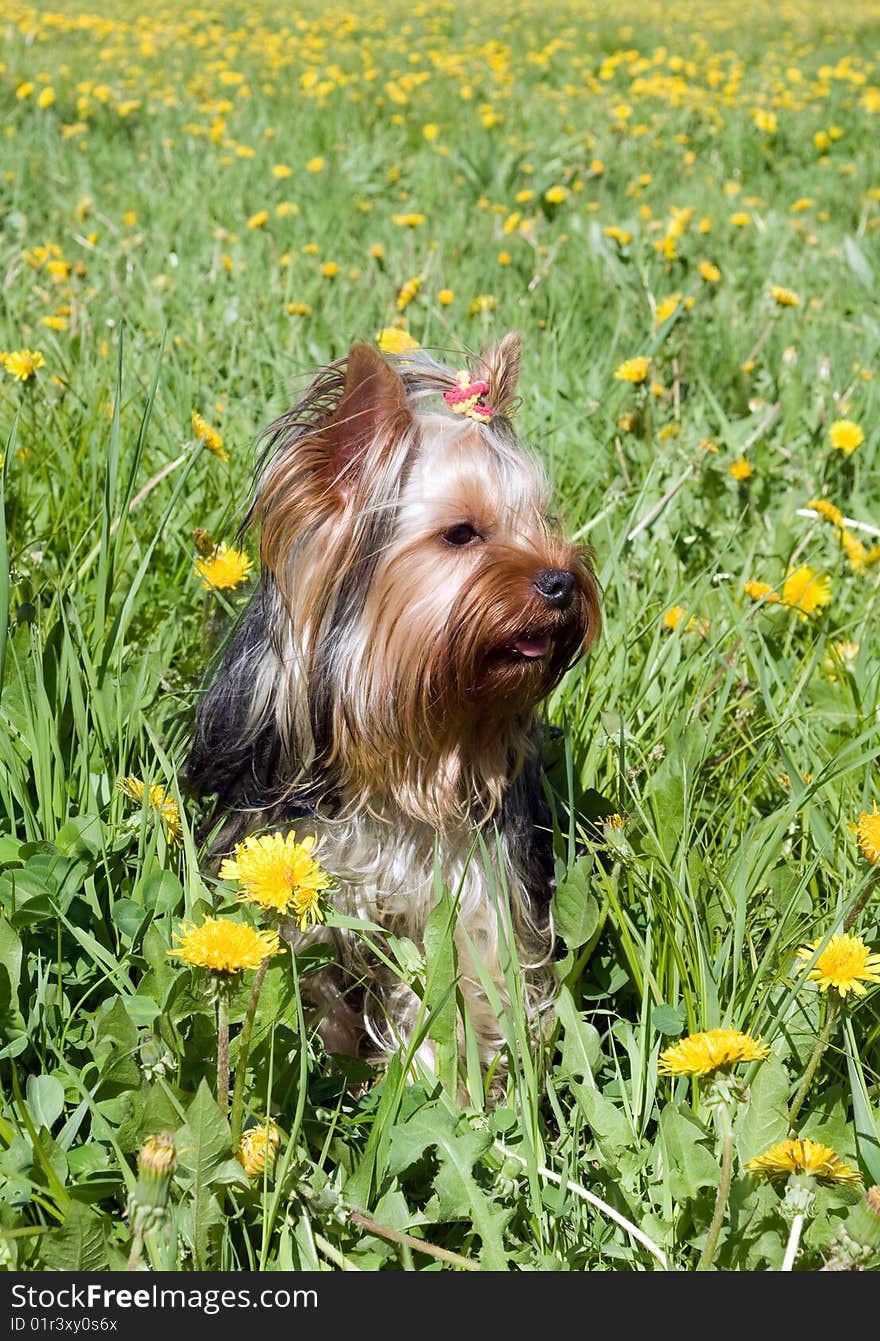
392	872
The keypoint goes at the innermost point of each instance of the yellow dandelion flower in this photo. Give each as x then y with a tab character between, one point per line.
845	436
845	964
54	323
805	1157
257	1148
827	510
674	616
445	297
258	220
740	219
276	872
298	309
225	568
667	308
633	370
330	269
801	204
394	340
854	550
407	292
619	235
224	946
46	98
209	436
22	364
868	834
784	297
316	164
806	590
281	170
740	469
484	302
408	220
158	799
716	1049
556	194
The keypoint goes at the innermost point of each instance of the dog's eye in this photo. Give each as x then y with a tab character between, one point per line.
460	535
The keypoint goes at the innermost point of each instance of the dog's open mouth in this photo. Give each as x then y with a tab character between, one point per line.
532	646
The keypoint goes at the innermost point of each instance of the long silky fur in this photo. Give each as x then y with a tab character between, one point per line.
317	715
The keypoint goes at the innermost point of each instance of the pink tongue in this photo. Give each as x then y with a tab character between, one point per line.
533	647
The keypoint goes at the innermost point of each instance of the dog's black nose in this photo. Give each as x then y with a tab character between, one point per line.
556	585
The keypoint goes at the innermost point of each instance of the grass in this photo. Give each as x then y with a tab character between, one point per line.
738	740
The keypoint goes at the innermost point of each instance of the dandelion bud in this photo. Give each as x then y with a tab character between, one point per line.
203	542
856	1244
148	1202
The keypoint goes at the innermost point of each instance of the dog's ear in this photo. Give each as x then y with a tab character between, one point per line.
500	365
373	397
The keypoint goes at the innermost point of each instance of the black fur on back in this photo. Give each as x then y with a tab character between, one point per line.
242	767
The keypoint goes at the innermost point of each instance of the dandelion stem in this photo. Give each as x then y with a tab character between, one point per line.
418	1245
794	1240
852	916
244	1047
223	1052
137	1249
725	1134
804	1087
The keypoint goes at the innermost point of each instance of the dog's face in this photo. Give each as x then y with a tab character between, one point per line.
431	599
477	606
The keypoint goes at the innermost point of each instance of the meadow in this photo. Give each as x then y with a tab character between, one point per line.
680	211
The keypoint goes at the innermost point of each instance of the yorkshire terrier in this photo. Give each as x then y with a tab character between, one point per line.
417	602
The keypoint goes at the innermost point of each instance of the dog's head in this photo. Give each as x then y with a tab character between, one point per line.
423	598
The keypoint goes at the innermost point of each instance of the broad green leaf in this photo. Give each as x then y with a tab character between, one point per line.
204	1145
581	1049
459	1195
689	1164
610	1126
80	1244
45	1100
669	1020
763	1119
575	910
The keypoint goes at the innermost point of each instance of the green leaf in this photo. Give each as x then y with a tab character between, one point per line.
581	1048
160	891
440	980
689	1164
575	910
45	1100
128	916
13	1029
459	1195
669	1019
205	1146
610	1126
116	1042
80	1244
763	1120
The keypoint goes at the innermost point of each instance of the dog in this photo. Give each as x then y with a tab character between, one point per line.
417	602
